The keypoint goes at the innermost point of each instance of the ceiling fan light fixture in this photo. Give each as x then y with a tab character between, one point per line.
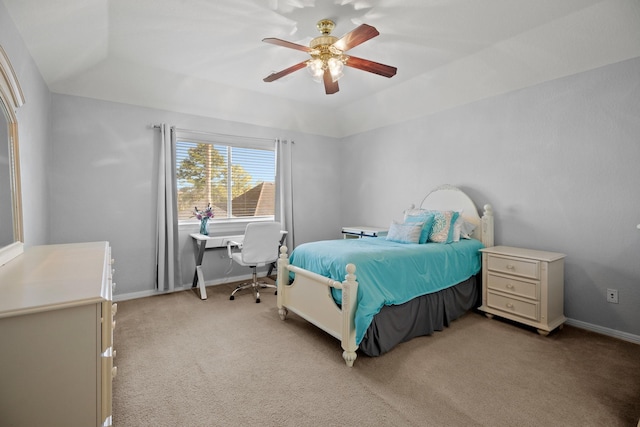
316	68
327	56
335	65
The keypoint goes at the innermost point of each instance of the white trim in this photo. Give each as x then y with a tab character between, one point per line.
10	81
224	222
184	287
9	252
604	331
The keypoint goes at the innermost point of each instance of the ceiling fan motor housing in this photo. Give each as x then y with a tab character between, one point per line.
325	26
322	46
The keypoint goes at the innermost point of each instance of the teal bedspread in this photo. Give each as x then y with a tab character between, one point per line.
389	273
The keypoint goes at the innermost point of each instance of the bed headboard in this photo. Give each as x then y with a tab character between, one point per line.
449	197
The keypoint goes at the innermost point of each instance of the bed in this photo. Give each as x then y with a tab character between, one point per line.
373	293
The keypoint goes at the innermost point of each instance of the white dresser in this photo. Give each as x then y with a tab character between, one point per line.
56	336
524	285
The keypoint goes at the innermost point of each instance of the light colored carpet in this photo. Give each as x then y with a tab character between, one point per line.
186	362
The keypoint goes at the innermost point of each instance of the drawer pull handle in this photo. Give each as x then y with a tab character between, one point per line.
114	372
114	308
511	267
509	305
509	286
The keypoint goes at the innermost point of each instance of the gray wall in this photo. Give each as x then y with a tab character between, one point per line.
33	133
103	179
558	162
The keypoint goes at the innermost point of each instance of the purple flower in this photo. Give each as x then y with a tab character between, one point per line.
208	212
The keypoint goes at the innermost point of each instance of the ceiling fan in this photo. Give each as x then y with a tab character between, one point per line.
328	58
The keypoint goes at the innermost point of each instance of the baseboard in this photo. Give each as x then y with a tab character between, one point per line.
604	331
184	287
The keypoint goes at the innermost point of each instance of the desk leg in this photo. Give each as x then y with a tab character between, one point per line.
200	276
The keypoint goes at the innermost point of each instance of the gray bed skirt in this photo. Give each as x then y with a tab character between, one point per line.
420	316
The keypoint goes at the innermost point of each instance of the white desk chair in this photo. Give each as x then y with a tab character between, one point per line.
259	248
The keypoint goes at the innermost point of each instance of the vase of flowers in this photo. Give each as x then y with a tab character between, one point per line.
204	216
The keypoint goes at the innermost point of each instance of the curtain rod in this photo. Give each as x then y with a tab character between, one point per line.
218	134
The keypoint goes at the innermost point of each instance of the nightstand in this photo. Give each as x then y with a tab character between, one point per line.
524	285
362	231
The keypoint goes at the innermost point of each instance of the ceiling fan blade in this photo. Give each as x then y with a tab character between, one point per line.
371	66
275	76
330	87
284	43
352	39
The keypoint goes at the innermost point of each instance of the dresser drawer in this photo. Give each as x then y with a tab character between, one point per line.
108	323
518	266
527	309
511	285
108	373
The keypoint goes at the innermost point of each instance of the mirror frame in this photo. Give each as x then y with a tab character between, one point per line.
12	98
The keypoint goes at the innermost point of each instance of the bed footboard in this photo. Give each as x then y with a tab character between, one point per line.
309	296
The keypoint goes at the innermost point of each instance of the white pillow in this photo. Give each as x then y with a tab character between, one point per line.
405	232
466	229
463	229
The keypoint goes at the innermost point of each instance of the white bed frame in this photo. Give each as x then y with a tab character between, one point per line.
309	296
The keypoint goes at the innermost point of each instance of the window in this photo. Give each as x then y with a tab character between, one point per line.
203	168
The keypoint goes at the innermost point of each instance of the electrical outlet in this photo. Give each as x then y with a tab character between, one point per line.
612	295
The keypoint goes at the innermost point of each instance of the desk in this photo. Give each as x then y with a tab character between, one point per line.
204	243
362	231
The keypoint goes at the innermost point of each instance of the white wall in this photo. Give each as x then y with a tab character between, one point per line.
33	133
558	162
103	181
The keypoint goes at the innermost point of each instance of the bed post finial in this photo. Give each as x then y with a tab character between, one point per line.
487	226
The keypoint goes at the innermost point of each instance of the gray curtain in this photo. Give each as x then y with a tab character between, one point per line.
167	225
284	190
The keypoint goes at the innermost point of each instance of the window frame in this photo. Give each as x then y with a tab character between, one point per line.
201	137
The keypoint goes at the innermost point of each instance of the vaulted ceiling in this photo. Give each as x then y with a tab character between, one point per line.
206	57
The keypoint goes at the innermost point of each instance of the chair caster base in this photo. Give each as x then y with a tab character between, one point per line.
232	297
257	300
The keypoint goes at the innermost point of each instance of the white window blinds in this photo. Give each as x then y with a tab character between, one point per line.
235	175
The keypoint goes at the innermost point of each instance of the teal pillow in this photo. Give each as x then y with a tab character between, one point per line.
454	218
427	218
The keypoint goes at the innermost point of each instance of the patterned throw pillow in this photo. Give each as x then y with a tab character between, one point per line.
442	229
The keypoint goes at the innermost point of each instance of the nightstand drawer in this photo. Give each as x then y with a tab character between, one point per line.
518	307
518	266
513	286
